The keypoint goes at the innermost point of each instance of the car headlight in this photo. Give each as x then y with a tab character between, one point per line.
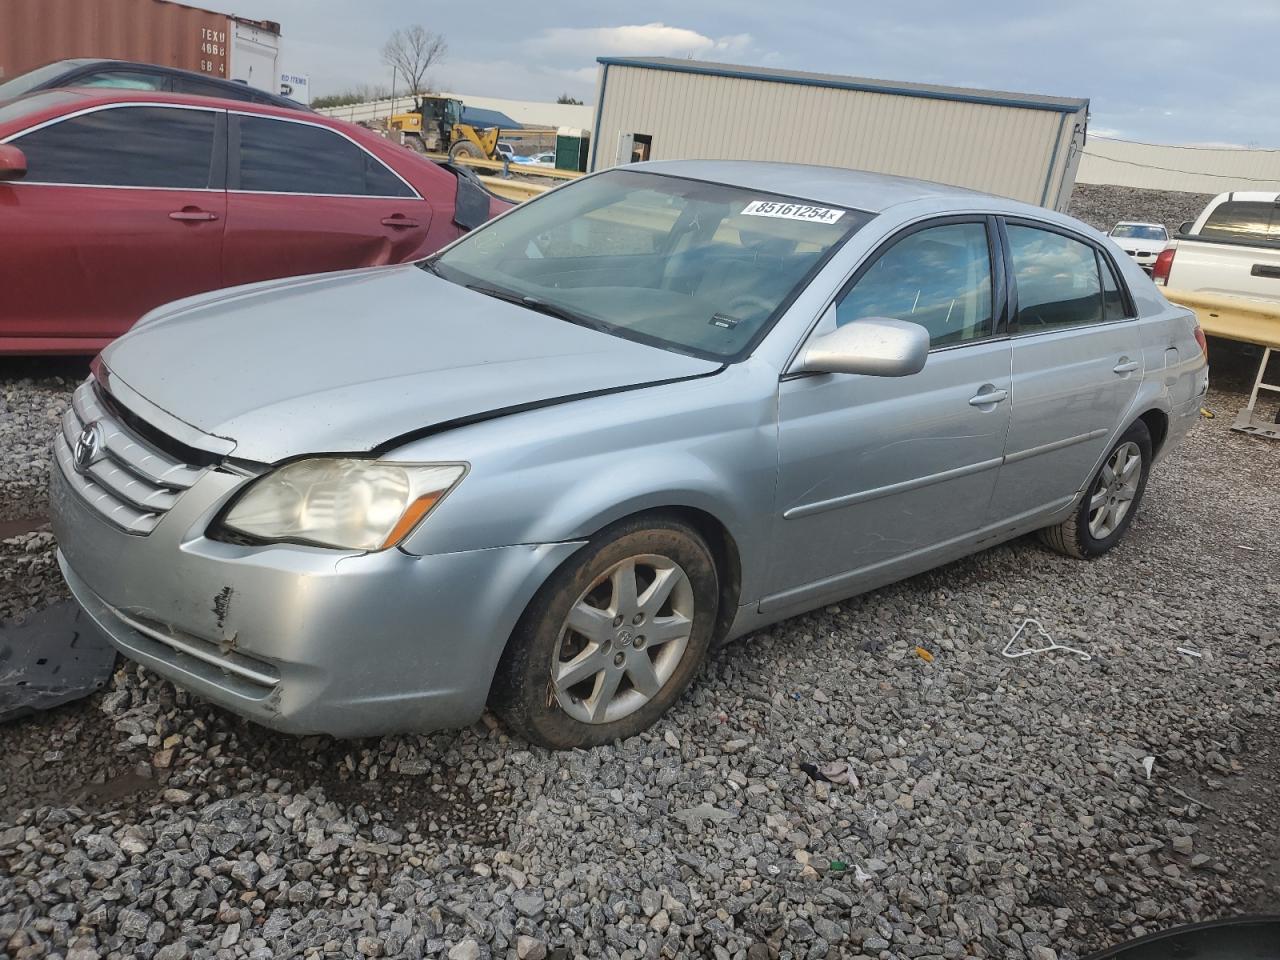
346	502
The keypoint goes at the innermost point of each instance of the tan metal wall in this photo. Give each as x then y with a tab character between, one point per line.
1189	169
998	149
35	32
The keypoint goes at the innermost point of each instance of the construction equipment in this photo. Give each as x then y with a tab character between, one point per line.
434	125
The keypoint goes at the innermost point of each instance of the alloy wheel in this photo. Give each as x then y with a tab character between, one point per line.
1114	492
623	639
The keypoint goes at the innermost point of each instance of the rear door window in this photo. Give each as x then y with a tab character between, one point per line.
1243	220
1113	305
1057	280
201	88
281	156
124	147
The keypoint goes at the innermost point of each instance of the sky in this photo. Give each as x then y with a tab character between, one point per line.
1166	71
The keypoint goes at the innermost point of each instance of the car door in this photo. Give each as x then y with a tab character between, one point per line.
304	198
875	472
122	210
1077	365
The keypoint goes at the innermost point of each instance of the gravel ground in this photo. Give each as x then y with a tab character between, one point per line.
981	806
1103	206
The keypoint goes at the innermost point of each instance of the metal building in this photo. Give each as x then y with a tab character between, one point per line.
1016	145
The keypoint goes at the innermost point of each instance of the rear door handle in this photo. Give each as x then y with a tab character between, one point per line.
399	221
1125	366
988	399
192	214
1265	270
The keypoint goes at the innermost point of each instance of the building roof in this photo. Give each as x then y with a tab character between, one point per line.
855	189
932	91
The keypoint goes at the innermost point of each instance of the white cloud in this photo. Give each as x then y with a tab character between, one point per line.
649	39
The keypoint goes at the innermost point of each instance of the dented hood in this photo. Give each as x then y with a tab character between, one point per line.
345	362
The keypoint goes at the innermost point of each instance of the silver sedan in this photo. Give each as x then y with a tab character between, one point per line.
650	411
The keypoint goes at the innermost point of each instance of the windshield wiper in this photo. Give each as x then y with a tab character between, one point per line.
539	306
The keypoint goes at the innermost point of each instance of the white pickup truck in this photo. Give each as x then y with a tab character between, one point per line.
1233	247
1226	266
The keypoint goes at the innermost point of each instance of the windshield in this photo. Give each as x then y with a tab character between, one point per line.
1139	231
697	267
26	82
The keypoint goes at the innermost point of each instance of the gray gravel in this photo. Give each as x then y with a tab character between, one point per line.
982	806
1103	206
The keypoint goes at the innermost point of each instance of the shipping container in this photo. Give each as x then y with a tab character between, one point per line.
1019	145
36	32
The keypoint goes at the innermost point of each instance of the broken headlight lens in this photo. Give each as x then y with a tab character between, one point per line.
342	502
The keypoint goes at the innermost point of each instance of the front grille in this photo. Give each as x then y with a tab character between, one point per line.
131	482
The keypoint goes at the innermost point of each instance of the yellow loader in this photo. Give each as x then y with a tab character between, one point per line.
435	126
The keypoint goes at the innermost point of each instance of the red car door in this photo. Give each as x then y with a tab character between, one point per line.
304	198
122	210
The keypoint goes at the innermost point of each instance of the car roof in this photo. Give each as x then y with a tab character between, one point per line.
82	63
1138	223
58	101
857	189
92	96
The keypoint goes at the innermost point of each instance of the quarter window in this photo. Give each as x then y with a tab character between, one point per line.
277	156
1057	280
939	277
124	147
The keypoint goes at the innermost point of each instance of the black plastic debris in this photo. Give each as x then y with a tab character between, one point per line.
56	656
1238	938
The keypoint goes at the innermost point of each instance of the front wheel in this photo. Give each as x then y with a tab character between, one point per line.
465	148
1107	509
612	639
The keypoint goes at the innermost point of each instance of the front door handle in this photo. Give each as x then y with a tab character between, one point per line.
988	399
399	221
1125	366
192	215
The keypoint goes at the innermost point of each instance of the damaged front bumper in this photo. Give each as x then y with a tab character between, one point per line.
301	639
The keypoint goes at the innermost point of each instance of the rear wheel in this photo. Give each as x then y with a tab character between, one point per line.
612	639
1105	512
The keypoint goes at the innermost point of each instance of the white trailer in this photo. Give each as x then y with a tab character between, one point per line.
1024	146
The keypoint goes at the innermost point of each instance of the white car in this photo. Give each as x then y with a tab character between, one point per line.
1142	241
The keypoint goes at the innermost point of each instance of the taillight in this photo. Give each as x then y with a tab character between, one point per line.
1160	272
1200	339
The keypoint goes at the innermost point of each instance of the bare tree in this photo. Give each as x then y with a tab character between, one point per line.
412	51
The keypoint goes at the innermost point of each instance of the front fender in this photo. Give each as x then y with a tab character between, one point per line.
563	473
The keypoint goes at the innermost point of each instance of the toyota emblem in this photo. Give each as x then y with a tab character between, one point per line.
88	446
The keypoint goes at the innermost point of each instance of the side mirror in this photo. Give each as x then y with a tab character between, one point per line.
1186	226
876	347
13	162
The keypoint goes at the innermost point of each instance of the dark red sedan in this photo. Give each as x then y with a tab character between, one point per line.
131	199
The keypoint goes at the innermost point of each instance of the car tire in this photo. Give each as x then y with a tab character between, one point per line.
574	672
1114	492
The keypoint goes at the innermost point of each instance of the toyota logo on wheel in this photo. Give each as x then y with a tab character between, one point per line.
88	446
